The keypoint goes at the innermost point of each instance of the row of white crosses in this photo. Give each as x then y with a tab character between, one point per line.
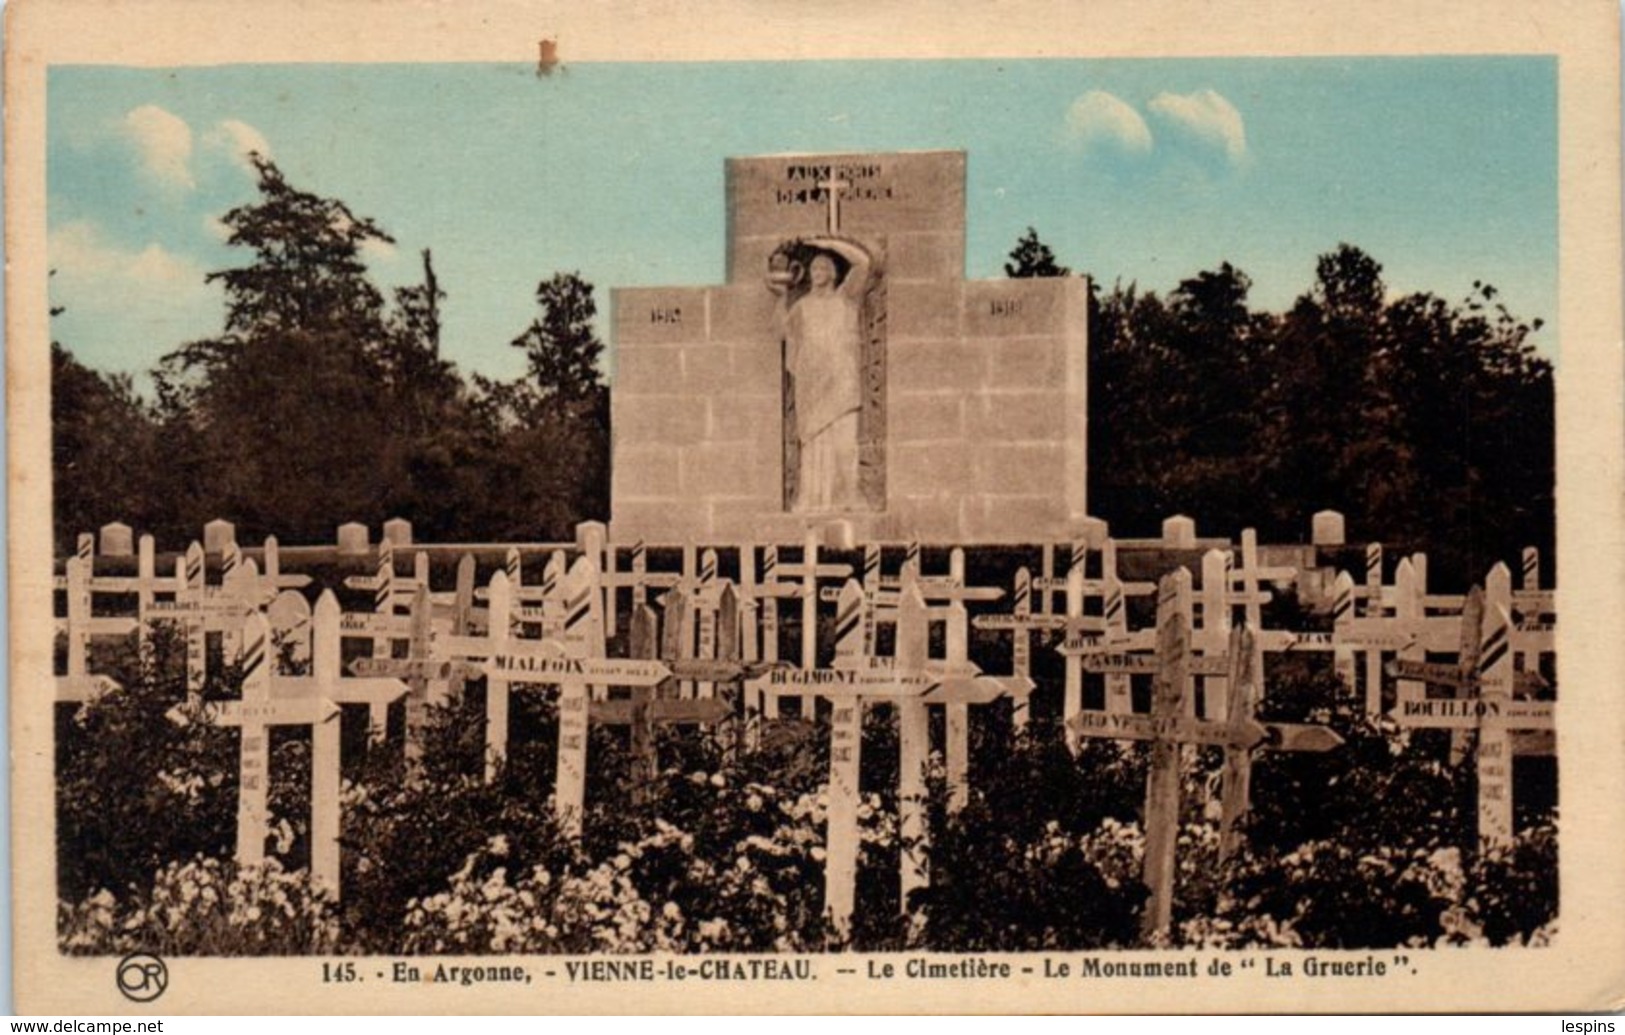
759	589
764	581
1105	644
911	681
193	606
1400	619
392	593
574	660
571	658
197	607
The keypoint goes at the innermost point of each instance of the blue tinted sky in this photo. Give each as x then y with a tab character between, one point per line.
1444	169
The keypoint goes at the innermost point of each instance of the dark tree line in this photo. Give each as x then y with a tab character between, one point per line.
321	402
1429	424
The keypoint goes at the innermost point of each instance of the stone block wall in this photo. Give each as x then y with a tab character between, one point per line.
986	414
987	418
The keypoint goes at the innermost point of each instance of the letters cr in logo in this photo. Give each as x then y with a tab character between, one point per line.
142	977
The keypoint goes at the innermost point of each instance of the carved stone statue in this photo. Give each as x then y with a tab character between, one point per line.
821	284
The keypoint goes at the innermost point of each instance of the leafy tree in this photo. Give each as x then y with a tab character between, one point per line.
1033	258
104	450
545	437
315	405
430	417
1328	404
560	344
1174	428
1426	423
1429	425
307	273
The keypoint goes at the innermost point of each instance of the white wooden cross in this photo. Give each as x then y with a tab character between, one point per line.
1407	633
1086	634
1492	712
254	715
1088	637
428	680
144	584
1225	586
912	681
201	609
1169	725
777	582
272	580
1021	623
638	578
271	698
80	625
644	709
385	626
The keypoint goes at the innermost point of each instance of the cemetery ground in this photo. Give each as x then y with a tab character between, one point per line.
721	846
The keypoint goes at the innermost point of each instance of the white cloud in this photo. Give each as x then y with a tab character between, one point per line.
238	139
79	251
164	141
216	228
126	306
1209	117
1100	117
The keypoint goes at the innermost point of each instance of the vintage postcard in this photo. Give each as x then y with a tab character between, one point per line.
1034	507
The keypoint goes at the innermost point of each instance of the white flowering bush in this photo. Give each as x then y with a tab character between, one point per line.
668	891
206	907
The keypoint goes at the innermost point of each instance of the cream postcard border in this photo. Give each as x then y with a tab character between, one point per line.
1583	970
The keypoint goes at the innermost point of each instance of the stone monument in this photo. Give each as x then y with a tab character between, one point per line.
847	371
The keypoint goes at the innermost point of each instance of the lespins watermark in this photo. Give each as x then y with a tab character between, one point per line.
142	977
